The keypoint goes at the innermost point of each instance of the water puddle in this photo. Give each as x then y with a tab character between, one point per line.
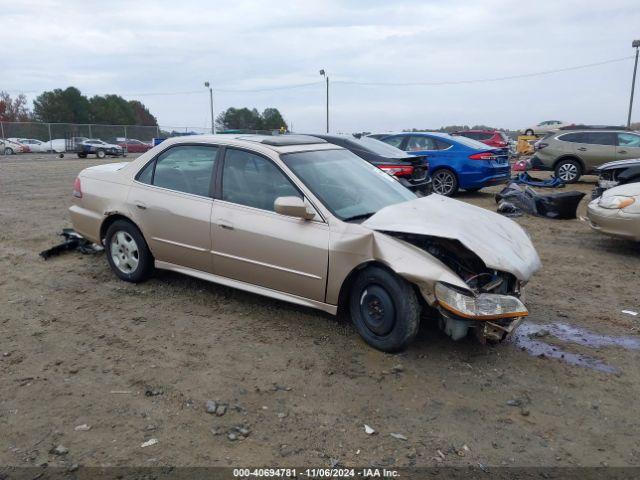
530	337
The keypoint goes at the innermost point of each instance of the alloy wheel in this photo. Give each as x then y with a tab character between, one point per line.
443	182
567	172
124	252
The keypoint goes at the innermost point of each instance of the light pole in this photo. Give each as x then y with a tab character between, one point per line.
324	74
213	121
635	44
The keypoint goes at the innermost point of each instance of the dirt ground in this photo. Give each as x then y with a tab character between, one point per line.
138	362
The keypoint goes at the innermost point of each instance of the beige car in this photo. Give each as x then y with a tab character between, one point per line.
617	212
301	220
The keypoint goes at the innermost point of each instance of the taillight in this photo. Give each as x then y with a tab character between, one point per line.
482	156
397	170
77	188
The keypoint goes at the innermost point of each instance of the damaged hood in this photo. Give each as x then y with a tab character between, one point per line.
500	242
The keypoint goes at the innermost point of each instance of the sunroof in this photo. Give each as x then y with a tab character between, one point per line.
284	140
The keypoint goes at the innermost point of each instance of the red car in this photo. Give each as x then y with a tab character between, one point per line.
493	138
131	145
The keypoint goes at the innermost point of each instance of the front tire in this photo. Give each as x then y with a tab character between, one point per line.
8	151
568	170
100	154
384	309
127	252
444	182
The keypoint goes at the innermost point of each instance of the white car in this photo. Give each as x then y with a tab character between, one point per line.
9	147
545	127
35	146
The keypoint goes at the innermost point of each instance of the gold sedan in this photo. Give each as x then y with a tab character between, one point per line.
301	220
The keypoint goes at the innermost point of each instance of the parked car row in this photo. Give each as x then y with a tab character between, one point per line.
117	147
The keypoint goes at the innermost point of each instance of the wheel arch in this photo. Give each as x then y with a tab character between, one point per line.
114	217
347	284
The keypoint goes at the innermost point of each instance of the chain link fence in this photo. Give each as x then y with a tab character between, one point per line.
55	135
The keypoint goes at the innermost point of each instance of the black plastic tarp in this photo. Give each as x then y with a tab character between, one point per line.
555	205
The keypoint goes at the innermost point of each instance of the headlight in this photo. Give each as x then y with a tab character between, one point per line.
486	306
615	201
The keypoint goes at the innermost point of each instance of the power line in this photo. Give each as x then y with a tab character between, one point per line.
484	80
374	84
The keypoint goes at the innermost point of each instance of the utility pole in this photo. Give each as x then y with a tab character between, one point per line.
635	44
213	121
324	74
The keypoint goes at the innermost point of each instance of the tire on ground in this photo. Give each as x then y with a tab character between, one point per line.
384	309
449	192
145	265
565	167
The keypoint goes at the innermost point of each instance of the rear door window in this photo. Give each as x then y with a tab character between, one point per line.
185	168
601	138
418	143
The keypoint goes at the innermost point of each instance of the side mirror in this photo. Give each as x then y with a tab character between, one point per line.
292	206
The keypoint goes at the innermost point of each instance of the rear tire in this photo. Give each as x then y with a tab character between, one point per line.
127	252
82	155
100	154
568	170
384	309
444	182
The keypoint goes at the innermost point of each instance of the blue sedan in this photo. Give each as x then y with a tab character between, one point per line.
455	162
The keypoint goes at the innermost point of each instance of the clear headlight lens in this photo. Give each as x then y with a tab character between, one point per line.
615	201
486	306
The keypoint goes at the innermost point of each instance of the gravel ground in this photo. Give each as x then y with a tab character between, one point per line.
139	362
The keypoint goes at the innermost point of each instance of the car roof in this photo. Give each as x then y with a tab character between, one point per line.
277	143
477	130
282	140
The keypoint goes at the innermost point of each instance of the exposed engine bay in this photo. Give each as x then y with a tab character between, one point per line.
480	279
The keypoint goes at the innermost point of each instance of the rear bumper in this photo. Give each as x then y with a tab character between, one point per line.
423	186
536	164
86	223
485	177
613	222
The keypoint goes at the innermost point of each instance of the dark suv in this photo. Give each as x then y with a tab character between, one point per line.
575	151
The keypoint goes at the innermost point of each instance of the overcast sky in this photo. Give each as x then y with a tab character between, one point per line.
142	47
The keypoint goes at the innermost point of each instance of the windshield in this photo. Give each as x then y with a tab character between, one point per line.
379	147
351	188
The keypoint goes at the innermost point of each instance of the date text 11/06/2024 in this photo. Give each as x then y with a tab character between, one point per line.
315	472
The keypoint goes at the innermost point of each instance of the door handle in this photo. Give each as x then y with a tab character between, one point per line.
582	149
225	224
141	205
622	151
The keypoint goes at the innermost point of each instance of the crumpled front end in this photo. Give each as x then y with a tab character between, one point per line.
490	305
491	258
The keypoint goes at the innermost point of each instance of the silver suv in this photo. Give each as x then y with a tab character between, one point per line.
572	152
